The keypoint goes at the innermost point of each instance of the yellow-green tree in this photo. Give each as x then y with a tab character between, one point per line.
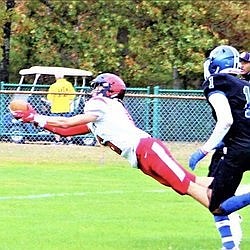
141	40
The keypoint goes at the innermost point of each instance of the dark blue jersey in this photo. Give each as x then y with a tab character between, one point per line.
237	92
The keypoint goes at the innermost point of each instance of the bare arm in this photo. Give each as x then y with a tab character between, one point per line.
65	122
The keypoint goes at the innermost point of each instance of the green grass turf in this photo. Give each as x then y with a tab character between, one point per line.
74	198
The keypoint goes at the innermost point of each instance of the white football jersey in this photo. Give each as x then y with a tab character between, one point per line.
114	124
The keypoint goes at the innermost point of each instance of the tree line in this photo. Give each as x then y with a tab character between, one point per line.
146	42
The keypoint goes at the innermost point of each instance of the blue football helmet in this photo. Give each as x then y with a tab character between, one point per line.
113	86
222	59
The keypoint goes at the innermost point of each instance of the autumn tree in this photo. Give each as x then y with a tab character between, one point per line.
6	34
144	41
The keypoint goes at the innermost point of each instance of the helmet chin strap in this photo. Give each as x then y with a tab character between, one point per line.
205	66
217	70
114	96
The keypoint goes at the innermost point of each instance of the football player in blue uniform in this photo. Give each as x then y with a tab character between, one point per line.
229	98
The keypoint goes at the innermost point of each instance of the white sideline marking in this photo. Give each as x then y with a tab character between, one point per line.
242	189
52	195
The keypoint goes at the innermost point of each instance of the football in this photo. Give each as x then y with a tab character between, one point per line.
18	105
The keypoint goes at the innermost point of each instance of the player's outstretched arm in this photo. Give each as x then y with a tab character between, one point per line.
66	122
64	126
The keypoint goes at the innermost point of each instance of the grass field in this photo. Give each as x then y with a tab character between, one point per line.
88	198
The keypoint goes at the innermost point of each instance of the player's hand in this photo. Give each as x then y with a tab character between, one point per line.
25	115
195	158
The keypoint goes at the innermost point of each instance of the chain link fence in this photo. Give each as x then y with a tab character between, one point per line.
171	115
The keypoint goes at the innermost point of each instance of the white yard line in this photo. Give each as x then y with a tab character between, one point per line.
242	189
52	195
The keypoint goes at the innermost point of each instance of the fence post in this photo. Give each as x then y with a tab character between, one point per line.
147	113
155	132
1	108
